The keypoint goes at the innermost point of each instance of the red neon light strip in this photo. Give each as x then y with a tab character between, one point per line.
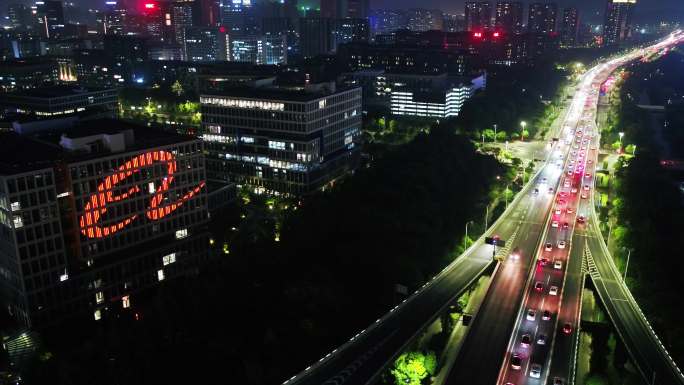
96	206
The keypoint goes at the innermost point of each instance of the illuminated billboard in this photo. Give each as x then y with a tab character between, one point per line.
96	208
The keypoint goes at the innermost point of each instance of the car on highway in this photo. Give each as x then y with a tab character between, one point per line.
525	340
581	219
569	172
558	265
516	361
569	210
589	161
584	195
586	187
536	191
543	181
574	190
541	339
554	224
548	246
557	212
561	244
565	225
587	175
563	194
531	314
550	190
546	315
558	381
535	371
539	286
566	183
567	328
543	261
553	290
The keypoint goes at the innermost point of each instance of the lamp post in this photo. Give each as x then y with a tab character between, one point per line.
629	252
495	133
621	134
465	240
522	131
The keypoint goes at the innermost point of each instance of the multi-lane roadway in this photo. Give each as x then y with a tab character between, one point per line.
529	224
543	349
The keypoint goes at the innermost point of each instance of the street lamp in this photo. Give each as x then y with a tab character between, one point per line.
624	277
621	135
465	240
495	133
522	132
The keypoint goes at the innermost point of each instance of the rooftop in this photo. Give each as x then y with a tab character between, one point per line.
56	91
278	93
21	153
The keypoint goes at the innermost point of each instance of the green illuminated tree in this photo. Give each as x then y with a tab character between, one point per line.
412	367
177	88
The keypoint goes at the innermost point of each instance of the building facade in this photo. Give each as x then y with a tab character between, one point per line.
570	28
440	99
478	15
281	141
617	24
95	216
509	17
206	44
259	49
542	18
419	19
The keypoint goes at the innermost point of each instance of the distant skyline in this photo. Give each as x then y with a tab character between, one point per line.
590	10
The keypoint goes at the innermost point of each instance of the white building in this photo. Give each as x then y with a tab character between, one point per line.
442	102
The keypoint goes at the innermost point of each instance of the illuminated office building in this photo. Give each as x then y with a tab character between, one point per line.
281	140
618	21
92	215
478	15
542	18
509	17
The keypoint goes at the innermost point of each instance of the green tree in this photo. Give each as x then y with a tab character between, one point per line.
177	88
489	134
501	136
630	149
412	367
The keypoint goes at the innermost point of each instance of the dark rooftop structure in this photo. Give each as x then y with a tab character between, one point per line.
19	153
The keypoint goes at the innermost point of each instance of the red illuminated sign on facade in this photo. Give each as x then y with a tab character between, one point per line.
97	203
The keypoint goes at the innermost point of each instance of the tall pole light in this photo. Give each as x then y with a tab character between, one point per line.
495	133
621	135
629	252
522	131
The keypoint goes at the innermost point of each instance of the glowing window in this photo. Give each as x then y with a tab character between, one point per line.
98	315
99	297
169	259
18	222
160	274
126	302
64	277
15	206
321	103
180	234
